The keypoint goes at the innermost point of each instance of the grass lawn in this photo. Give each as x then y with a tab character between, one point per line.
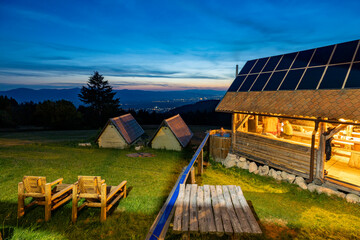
285	211
288	212
56	154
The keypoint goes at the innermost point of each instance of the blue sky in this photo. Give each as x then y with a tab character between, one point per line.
158	45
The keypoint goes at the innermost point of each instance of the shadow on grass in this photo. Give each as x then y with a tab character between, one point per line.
119	224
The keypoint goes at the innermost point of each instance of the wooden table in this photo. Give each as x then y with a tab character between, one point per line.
213	210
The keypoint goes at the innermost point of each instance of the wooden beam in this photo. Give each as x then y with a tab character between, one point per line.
21	200
47	202
233	129
320	157
103	203
201	162
335	131
192	175
244	119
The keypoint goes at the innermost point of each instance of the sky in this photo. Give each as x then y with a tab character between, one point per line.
158	45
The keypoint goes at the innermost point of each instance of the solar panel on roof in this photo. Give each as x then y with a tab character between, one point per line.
275	81
271	64
311	78
247	67
291	80
334	77
260	82
248	82
353	80
303	70
303	59
259	65
237	83
321	56
344	52
286	61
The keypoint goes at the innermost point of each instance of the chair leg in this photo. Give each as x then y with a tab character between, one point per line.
74	204
103	203
21	200
47	202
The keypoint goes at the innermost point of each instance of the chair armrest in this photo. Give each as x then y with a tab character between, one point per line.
115	190
56	181
62	192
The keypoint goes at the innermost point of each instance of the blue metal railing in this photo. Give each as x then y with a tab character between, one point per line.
159	224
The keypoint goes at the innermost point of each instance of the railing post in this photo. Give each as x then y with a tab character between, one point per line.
201	163
192	175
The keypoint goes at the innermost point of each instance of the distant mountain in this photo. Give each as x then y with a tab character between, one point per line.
202	106
27	95
136	99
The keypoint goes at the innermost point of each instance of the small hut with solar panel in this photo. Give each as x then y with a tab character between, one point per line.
120	132
300	112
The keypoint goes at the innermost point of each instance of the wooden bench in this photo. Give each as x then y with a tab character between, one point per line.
213	210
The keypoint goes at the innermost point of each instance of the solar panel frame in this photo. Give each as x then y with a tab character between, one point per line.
288	59
260	64
300	58
246	66
255	87
236	83
344	52
350	81
334	76
320	59
287	81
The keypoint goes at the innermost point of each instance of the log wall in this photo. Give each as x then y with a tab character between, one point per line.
290	157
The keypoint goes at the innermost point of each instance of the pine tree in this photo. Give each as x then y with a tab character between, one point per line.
99	95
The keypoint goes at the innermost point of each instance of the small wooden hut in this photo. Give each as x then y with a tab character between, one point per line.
120	132
300	112
173	134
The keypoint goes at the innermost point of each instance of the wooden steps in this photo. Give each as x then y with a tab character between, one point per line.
213	210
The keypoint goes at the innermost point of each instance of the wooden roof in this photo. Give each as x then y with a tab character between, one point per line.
179	128
333	104
127	126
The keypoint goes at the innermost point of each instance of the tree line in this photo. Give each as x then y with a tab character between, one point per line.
101	105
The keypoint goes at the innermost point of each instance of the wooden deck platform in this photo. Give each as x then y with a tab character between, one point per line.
213	210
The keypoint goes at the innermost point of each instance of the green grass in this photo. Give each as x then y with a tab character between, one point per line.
51	154
285	211
288	212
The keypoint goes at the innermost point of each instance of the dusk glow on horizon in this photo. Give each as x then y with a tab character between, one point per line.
158	45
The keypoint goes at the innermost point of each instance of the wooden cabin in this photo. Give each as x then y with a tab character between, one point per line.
300	112
120	132
173	134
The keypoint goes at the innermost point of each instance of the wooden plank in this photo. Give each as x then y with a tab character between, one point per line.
186	215
230	209
217	211
239	211
179	209
224	214
194	226
211	228
201	210
251	219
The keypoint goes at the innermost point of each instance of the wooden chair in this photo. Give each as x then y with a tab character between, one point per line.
96	194
42	194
